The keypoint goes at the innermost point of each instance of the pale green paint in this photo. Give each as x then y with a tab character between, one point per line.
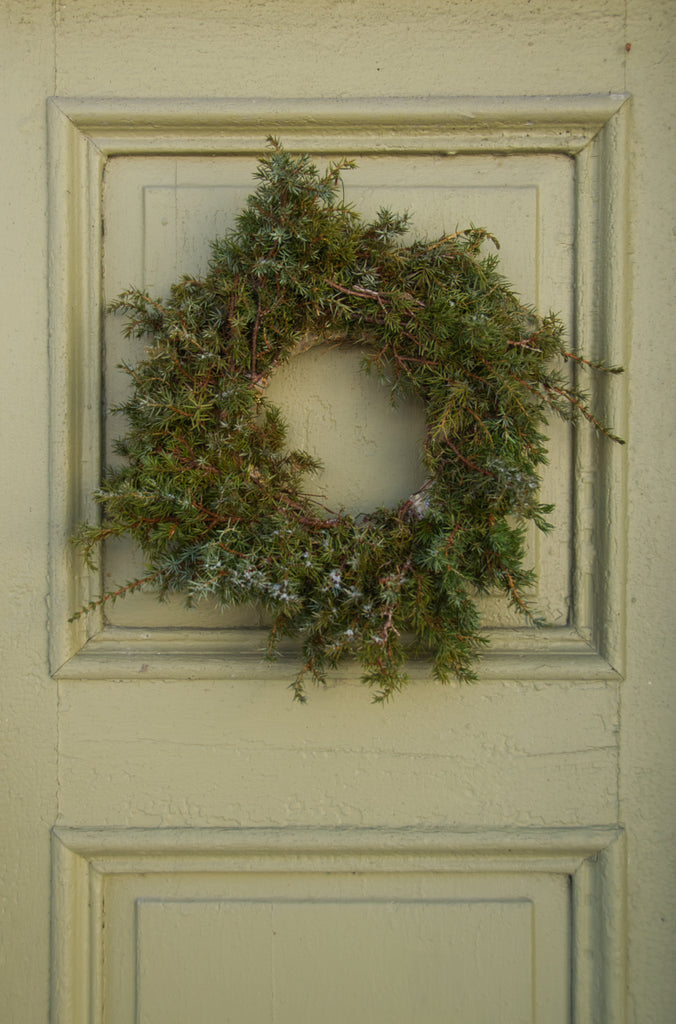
566	748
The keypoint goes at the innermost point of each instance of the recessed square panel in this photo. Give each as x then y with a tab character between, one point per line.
161	214
313	941
366	961
375	926
545	174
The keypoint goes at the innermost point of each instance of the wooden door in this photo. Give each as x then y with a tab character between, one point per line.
263	861
182	841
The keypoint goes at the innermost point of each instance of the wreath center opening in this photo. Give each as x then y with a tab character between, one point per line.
370	449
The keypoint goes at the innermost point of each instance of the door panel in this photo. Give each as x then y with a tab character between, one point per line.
381	961
160	216
333	924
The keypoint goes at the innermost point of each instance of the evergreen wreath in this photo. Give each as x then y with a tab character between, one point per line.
217	503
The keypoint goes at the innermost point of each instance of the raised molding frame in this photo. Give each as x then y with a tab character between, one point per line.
593	859
85	133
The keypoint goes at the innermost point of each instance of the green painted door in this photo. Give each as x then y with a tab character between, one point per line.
184	842
266	861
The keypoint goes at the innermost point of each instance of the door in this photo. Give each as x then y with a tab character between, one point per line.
186	842
263	861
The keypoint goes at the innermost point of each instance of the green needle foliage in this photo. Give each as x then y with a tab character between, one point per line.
218	504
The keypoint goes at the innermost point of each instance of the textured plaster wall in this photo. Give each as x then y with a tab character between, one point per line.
310	48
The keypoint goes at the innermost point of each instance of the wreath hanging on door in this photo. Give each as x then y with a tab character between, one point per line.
218	504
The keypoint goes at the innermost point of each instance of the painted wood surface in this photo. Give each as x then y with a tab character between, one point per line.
193	804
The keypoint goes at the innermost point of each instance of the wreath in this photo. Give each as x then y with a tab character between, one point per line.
218	504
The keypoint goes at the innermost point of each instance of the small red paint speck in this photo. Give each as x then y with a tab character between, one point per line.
627	47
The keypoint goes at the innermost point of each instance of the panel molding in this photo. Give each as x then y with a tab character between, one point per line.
592	860
85	133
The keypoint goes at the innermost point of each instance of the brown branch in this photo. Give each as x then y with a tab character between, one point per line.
531	348
361	293
516	597
446	238
112	595
468	462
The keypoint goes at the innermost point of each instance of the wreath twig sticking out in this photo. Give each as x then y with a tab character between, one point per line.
216	501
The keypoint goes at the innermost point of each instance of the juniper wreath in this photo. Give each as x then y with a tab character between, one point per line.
218	504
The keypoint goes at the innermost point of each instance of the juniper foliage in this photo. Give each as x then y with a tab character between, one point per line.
217	502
